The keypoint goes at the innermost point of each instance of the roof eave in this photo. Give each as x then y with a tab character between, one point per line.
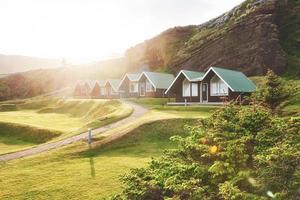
181	72
147	78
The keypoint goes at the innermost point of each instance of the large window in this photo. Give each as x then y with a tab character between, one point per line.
194	89
102	91
149	87
218	87
113	92
134	87
186	88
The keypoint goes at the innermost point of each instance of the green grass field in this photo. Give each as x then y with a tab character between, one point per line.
15	136
160	104
75	172
151	102
62	118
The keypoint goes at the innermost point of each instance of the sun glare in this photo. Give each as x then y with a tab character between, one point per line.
90	30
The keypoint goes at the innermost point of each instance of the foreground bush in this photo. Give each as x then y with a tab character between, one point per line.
237	153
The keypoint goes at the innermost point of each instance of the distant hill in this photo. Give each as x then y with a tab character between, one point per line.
17	63
254	36
36	82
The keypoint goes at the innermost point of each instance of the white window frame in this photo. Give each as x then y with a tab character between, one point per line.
195	89
149	86
186	88
216	85
142	85
113	92
102	91
204	85
135	86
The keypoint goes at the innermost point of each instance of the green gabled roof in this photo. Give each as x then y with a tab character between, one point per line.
236	81
101	83
133	77
160	80
91	83
114	83
192	75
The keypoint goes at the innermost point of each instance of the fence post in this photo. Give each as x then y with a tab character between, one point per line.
89	135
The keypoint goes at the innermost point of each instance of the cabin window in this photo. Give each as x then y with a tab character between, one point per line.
194	89
102	91
113	92
186	88
218	87
133	87
149	87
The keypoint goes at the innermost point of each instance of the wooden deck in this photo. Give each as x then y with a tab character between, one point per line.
195	103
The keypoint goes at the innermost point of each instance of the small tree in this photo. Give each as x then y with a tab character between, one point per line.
239	153
275	91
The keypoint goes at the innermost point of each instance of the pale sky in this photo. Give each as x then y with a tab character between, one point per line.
90	30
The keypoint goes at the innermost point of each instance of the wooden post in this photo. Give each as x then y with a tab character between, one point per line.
89	135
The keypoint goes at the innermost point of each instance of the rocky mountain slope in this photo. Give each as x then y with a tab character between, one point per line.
249	38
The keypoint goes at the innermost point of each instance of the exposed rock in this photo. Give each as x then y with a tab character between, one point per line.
245	38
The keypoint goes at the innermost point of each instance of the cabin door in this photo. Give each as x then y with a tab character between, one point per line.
142	89
204	92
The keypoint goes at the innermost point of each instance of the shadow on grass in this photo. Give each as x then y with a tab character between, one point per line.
92	164
146	141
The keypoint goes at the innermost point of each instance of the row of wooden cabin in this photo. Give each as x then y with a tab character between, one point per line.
213	86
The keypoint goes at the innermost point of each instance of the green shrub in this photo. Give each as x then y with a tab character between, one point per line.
238	153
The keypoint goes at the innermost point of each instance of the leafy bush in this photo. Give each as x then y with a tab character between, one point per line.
237	153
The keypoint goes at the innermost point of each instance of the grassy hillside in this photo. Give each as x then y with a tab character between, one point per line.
38	120
75	172
40	81
18	63
17	136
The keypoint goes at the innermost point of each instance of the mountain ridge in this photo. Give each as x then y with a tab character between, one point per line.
20	63
246	38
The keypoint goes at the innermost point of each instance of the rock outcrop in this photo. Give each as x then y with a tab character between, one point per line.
247	38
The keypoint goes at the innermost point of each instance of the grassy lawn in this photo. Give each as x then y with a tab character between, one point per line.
160	104
15	136
151	102
50	115
76	172
51	121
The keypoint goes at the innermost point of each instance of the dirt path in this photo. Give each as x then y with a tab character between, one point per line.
138	111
